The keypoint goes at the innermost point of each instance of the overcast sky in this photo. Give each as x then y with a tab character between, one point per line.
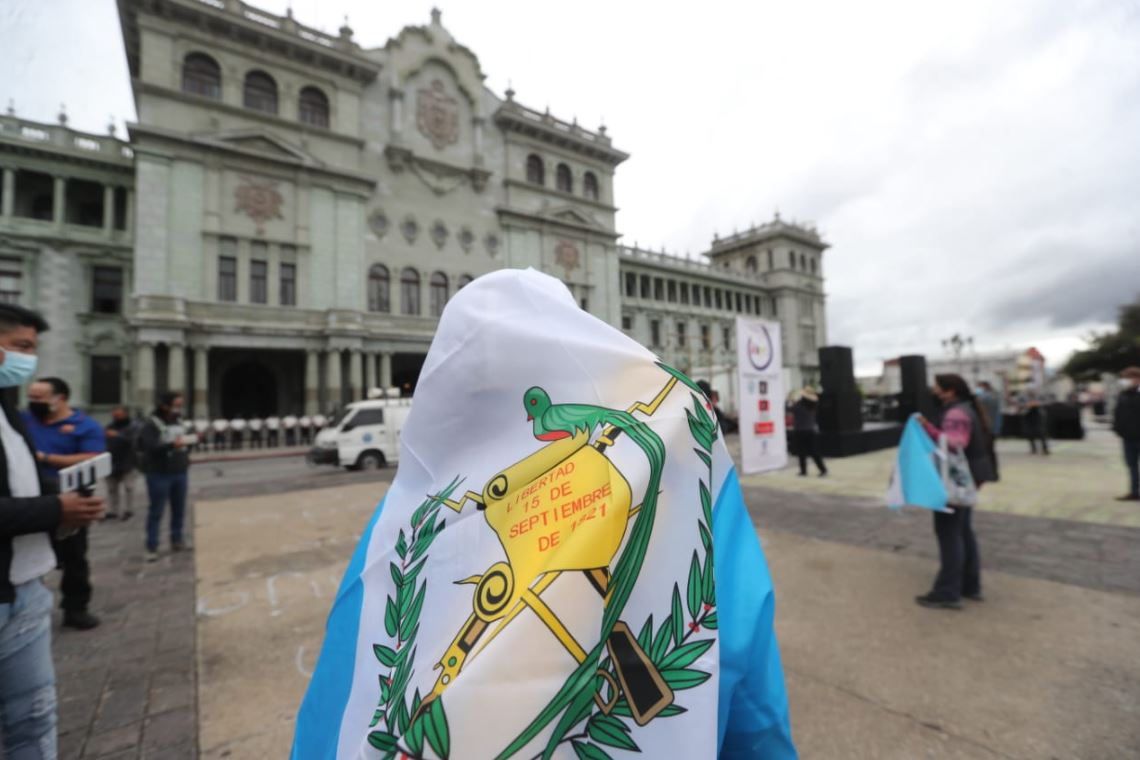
974	165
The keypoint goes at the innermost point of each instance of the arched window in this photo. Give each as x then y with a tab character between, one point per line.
260	92
750	264
563	179
803	262
410	292
201	75
535	171
590	186
464	279
379	283
438	293
313	107
813	265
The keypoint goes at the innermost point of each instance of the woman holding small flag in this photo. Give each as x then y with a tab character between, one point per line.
965	427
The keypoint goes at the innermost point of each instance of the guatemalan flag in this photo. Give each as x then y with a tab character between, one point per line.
563	566
916	480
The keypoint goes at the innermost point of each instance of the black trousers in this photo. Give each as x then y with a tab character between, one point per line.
961	568
1034	438
805	445
71	556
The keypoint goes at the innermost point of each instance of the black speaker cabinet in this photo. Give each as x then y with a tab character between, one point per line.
840	412
837	369
915	396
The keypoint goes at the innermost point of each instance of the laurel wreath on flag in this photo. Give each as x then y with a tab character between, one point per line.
402	624
673	646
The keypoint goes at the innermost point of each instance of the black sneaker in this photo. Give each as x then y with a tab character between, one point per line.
933	602
80	620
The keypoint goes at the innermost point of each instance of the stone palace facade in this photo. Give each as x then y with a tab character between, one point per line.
292	212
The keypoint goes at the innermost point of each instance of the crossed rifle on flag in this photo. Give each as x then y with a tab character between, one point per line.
598	526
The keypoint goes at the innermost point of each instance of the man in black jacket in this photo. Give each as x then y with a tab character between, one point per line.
1126	424
29	515
165	458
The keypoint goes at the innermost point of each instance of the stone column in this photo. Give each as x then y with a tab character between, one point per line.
176	369
353	383
333	384
201	382
108	209
9	201
386	370
59	201
369	373
144	376
312	382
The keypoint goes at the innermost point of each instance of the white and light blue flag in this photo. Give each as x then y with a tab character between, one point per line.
916	480
563	566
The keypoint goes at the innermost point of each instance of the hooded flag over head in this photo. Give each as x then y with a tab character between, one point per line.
540	580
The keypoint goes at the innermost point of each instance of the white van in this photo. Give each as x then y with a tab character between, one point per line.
364	436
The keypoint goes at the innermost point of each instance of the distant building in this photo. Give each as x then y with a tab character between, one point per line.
293	212
1010	371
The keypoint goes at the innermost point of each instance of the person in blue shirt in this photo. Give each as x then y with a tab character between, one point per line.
63	437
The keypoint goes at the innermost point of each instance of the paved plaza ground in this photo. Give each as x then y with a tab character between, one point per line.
208	655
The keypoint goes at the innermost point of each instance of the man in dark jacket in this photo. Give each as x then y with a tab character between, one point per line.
1126	424
162	445
29	515
121	434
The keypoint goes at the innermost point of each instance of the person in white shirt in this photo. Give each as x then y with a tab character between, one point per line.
28	516
273	426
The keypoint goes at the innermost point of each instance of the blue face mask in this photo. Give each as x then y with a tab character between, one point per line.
17	368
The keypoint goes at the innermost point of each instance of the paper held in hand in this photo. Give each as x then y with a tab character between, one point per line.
84	476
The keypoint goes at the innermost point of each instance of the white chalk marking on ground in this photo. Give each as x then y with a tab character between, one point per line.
299	661
204	609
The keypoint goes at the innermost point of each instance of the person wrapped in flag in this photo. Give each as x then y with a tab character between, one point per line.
563	565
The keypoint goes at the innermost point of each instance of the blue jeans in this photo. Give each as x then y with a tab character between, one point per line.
161	488
27	677
1132	459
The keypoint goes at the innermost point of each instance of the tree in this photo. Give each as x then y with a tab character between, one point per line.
1111	351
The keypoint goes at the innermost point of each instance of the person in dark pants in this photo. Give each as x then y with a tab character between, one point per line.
1126	424
121	446
963	425
65	437
805	441
165	460
1033	425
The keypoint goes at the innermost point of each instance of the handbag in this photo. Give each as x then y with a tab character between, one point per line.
961	491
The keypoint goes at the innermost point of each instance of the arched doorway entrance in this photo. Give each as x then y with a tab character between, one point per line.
249	390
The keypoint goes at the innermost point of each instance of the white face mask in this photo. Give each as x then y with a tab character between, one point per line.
1127	383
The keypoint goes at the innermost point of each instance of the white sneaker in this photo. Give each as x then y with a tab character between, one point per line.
151	556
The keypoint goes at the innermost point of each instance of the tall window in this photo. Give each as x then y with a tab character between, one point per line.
672	290
378	289
288	290
803	262
658	289
813	269
227	278
719	299
11	280
563	180
708	297
771	265
590	186
792	259
201	75
630	284
727	335
410	292
106	379
682	334
739	303
706	338
750	264
654	333
438	286
645	286
535	171
260	92
313	107
107	290
464	279
258	281
684	292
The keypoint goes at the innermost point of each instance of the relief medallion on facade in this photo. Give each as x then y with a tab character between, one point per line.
466	239
410	228
259	200
437	115
378	223
566	255
439	233
491	243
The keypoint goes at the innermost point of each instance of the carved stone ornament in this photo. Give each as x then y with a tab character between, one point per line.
437	115
378	223
466	239
491	242
410	228
566	255
259	200
439	233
